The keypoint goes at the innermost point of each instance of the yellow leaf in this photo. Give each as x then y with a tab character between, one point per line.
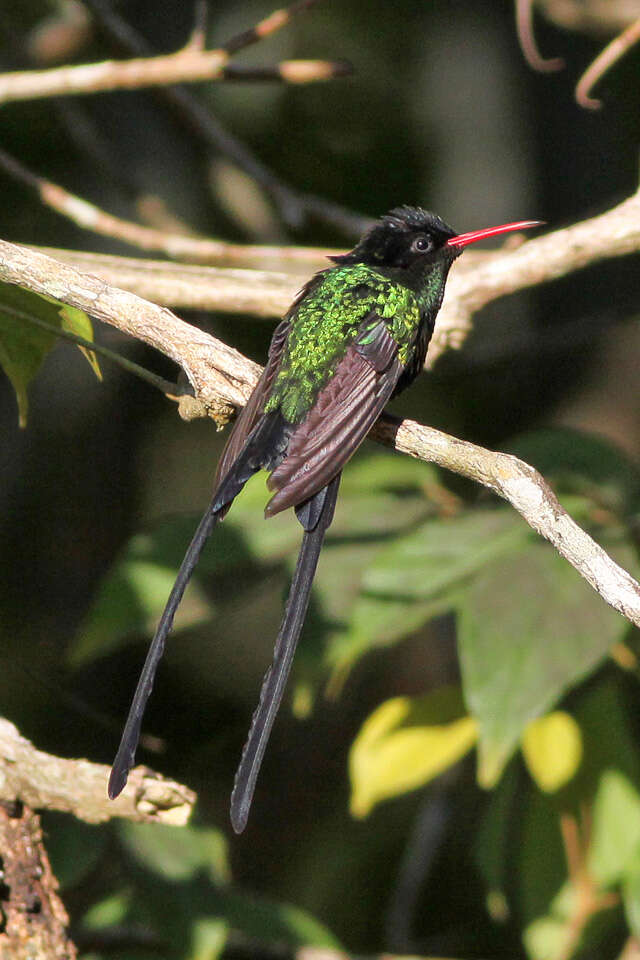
405	743
552	749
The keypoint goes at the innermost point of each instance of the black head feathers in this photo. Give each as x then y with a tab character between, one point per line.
402	238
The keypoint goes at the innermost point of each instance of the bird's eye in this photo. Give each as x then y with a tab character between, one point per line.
422	244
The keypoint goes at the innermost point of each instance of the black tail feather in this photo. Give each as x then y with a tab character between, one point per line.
273	685
125	756
262	448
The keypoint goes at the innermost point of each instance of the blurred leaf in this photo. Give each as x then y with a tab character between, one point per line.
74	847
111	911
552	748
529	629
405	743
546	938
442	553
615	832
23	345
177	853
418	576
209	936
631	893
493	846
582	463
270	922
244	549
133	594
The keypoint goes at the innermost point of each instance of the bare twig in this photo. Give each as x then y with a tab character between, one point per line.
529	494
603	62
178	246
473	285
188	65
474	281
257	293
43	781
597	17
528	45
185	66
222	378
295	207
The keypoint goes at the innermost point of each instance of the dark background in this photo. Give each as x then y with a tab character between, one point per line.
441	111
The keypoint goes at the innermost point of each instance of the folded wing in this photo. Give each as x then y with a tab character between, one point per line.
344	412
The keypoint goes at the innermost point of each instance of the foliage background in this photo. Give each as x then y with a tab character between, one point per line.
442	111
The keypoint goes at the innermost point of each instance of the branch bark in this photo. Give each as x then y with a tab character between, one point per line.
42	781
223	379
189	65
476	279
33	918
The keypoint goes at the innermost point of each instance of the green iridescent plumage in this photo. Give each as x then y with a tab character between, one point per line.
328	319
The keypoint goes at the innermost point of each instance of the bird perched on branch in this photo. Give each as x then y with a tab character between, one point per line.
356	335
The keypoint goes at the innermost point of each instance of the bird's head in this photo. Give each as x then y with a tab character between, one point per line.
413	239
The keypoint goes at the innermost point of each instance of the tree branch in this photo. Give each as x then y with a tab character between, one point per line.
189	65
177	246
43	781
475	280
33	920
223	379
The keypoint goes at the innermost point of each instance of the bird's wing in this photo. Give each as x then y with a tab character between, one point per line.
344	411
253	408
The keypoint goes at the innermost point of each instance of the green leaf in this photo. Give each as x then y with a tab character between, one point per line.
405	743
177	852
552	749
209	938
24	345
631	893
546	938
111	911
580	463
74	847
529	629
271	922
615	838
418	576
78	322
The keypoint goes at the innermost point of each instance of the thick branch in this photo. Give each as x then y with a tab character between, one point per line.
527	491
43	781
33	920
223	378
476	279
470	287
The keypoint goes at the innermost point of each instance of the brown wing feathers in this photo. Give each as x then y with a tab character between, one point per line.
342	415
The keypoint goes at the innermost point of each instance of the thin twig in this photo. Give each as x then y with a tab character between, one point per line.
222	378
178	246
294	207
527	38
613	52
595	17
188	65
471	286
475	280
47	782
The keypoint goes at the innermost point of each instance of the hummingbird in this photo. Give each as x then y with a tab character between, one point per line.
354	337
